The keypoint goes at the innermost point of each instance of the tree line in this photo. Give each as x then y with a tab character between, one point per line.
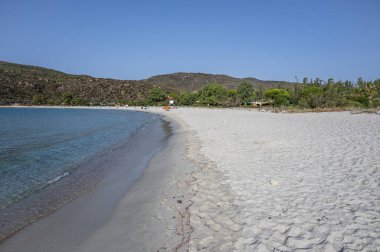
308	94
28	85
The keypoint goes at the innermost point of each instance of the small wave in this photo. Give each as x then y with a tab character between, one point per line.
59	177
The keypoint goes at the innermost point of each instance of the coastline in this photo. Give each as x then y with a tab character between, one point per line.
243	180
158	109
150	216
278	181
108	174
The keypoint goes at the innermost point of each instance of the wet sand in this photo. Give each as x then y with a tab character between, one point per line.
243	180
150	215
66	228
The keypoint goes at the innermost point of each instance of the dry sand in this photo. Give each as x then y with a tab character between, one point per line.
258	181
283	182
243	180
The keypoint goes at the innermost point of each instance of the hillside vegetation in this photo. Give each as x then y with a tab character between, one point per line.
35	85
180	82
25	84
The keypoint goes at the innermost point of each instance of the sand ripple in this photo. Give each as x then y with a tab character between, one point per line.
284	182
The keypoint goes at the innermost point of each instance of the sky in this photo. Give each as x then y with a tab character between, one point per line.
136	39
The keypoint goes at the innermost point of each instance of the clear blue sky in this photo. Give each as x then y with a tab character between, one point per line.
267	39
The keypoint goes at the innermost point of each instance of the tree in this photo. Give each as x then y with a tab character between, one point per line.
296	94
39	99
278	96
157	95
259	94
67	98
245	91
213	94
377	85
313	95
80	102
232	98
174	96
361	83
317	82
187	98
370	90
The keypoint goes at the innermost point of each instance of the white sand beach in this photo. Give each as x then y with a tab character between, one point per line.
283	182
262	181
244	180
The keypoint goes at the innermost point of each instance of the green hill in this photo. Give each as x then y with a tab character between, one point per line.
26	84
178	82
29	84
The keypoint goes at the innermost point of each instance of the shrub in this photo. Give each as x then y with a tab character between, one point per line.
363	100
213	94
353	104
232	98
281	101
39	99
157	95
279	96
245	91
187	99
80	102
375	103
67	98
314	96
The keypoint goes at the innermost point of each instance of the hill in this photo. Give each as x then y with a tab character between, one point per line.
178	82
26	84
30	84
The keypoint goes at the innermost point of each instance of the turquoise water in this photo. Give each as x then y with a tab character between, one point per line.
38	147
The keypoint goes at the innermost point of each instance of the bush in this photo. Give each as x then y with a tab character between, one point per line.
279	96
67	98
314	96
281	101
274	93
187	99
245	91
303	103
363	100
375	103
213	95
80	102
157	95
353	104
211	101
39	99
232	98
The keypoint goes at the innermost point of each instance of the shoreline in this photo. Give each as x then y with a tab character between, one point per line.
289	110
134	154
234	179
280	181
152	215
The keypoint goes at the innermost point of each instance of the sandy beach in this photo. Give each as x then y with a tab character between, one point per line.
244	180
284	181
261	181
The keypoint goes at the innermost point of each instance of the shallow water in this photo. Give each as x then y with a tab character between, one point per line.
39	147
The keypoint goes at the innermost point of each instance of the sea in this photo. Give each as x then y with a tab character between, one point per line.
40	147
